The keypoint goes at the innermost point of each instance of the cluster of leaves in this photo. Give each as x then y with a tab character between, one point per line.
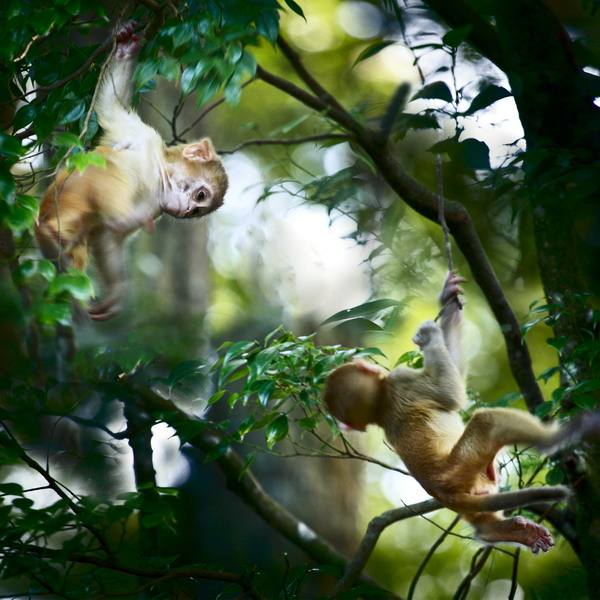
278	383
574	393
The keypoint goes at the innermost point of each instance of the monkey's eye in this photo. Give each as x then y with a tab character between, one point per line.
201	194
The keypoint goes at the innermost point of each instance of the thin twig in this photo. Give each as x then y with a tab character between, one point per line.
286	142
479	559
515	571
430	553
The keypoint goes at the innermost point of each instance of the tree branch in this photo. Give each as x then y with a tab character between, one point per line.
288	142
243	581
371	537
243	483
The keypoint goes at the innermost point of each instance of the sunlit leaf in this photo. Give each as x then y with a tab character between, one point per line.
277	430
368	308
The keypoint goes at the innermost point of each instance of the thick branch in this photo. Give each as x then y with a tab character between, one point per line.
243	483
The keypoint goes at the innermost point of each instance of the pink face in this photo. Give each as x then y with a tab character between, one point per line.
194	184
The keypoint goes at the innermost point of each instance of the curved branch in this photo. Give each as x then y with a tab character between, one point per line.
288	142
371	537
243	483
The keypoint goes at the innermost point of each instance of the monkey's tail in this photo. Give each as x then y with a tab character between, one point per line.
583	426
508	500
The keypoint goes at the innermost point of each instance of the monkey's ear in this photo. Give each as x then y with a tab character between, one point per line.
368	368
202	151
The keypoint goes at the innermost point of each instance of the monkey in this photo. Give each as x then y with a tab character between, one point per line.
96	210
418	411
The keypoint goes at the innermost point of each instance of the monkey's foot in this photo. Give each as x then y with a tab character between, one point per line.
129	42
103	310
522	531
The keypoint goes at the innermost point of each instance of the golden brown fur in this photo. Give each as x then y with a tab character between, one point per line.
417	409
94	211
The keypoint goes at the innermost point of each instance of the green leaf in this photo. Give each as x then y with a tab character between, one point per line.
372	50
11	489
82	160
71	111
74	283
188	430
51	313
487	96
585	401
185	369
267	24
65	138
456	37
246	425
307	423
46	269
215	397
295	7
508	399
24	116
437	90
10	146
146	71
555	476
475	154
548	373
544	409
249	460
26	270
558	342
368	308
277	430
265	391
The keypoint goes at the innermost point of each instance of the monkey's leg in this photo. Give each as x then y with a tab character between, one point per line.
493	527
108	252
489	430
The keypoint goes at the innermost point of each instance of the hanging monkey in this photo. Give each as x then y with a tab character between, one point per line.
417	410
96	210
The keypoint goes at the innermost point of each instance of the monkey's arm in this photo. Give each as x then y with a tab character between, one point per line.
122	127
440	379
452	321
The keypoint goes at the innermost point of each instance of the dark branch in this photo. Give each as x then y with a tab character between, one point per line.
243	581
289	142
371	537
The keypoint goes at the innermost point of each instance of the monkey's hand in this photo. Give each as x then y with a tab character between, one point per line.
104	310
452	290
427	332
128	42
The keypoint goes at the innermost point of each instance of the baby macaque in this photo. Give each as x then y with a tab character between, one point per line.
417	409
97	209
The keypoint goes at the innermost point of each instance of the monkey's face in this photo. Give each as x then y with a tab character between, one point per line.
197	181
